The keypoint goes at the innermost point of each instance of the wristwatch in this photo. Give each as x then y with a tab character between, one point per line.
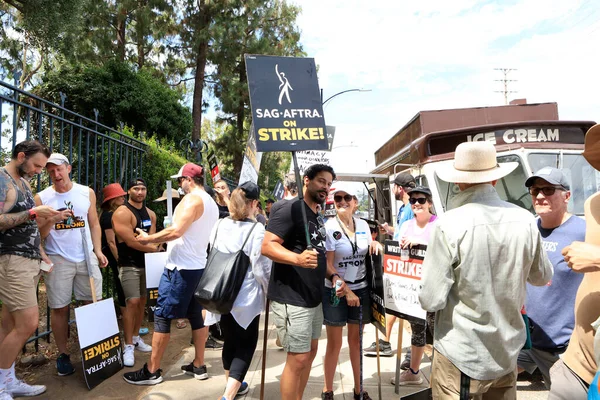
32	214
332	275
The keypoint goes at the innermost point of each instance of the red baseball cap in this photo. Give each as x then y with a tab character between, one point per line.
190	170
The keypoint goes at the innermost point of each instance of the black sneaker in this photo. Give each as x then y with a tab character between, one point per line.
243	389
327	396
385	349
63	365
197	372
406	363
365	396
211	343
143	377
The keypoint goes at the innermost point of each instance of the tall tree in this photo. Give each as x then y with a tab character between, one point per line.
253	27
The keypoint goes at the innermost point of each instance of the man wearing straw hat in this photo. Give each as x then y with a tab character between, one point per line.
481	253
66	247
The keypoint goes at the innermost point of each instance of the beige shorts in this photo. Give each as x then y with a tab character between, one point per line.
297	326
133	280
68	277
18	281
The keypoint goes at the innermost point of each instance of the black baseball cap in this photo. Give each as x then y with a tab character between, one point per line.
251	190
136	182
405	180
553	176
420	189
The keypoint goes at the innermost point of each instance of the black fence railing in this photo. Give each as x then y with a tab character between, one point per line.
99	155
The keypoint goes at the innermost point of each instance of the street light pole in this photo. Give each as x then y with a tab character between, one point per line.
342	92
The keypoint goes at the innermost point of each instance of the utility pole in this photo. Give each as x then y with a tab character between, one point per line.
505	81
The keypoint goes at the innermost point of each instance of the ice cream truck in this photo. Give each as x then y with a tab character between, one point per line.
533	144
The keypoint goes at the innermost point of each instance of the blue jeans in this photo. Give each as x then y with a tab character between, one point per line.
342	313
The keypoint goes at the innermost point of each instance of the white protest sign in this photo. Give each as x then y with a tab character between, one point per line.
310	157
99	341
155	266
402	274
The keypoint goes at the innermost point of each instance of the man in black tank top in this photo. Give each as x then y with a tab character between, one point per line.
20	255
126	219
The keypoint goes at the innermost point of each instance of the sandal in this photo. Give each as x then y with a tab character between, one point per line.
181	324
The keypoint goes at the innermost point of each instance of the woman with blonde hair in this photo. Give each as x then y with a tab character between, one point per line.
240	326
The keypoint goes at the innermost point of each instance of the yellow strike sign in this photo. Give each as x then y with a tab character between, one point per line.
295	134
101	348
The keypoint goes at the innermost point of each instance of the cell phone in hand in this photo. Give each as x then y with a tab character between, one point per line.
44	266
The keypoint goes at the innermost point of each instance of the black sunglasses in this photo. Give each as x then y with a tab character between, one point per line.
548	190
348	198
420	200
180	179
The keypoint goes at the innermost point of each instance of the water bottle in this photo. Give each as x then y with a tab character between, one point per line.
334	299
166	222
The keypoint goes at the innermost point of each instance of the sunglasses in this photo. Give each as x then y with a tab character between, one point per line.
548	190
181	179
347	198
415	200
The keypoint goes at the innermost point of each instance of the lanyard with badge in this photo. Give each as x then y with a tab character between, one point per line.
352	270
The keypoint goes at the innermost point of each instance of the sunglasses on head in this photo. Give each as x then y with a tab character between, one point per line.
338	198
548	190
415	200
181	179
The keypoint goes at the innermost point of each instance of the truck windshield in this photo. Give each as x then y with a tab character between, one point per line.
511	188
585	180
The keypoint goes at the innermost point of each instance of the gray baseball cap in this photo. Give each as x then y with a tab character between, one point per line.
551	175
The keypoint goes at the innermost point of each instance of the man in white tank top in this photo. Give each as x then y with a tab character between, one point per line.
64	244
188	238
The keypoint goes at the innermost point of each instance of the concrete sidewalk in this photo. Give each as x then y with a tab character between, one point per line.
180	386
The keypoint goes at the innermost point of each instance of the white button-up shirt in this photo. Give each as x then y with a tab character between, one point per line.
479	257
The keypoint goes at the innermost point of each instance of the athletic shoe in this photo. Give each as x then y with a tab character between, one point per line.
385	349
243	389
197	372
63	365
327	396
405	363
4	395
408	378
143	377
140	345
128	356
211	343
365	396
18	388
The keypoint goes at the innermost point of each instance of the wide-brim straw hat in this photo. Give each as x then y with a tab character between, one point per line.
475	162
174	195
112	191
592	146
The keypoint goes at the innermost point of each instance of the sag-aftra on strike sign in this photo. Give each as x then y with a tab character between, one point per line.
286	103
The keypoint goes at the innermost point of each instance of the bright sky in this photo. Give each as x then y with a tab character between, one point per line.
440	54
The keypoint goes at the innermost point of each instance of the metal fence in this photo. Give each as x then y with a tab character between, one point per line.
99	155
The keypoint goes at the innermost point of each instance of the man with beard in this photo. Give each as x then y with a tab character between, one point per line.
126	219
66	246
20	255
296	285
188	235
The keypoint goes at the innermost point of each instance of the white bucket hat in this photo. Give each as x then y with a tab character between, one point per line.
475	162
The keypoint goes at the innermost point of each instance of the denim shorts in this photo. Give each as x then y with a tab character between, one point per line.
340	314
176	294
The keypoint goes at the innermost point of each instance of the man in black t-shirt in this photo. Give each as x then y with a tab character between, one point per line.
296	285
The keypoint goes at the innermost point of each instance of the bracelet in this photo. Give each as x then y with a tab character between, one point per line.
332	275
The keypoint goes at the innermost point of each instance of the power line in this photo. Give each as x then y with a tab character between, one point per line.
505	82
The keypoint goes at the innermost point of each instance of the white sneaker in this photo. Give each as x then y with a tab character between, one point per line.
4	395
140	345
128	357
18	388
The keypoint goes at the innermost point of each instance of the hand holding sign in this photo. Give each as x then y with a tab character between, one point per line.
307	259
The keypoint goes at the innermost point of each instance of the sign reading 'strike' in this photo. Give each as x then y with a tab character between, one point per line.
286	103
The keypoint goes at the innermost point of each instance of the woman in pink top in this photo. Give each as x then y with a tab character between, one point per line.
412	232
